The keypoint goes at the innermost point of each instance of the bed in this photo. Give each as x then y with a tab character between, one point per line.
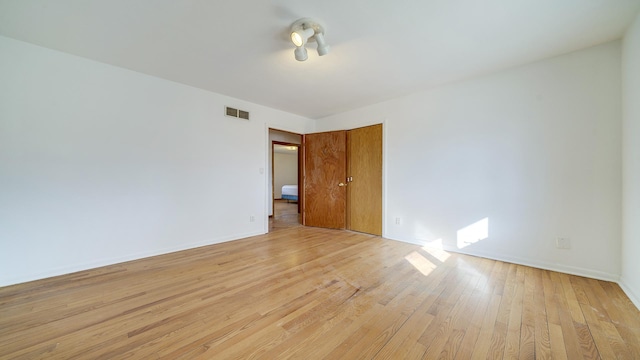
290	192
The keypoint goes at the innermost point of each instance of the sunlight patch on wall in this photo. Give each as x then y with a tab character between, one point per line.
473	233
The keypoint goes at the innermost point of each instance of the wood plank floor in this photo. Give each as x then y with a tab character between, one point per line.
285	215
305	293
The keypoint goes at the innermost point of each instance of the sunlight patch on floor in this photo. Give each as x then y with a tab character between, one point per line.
420	263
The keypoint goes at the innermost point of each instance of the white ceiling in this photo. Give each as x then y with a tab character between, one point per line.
380	49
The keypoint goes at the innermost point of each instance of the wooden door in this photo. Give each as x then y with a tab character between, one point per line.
364	194
325	169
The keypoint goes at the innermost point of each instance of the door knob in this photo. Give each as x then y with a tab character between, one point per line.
342	184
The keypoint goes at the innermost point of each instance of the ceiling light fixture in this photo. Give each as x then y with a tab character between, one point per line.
306	30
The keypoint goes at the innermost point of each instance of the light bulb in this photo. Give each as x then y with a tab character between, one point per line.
296	39
299	37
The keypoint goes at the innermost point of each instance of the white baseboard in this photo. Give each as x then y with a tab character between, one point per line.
590	273
573	270
633	296
64	270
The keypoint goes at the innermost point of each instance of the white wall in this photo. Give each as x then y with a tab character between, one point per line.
535	150
285	171
631	163
99	164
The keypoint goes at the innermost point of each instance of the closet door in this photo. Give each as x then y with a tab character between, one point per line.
325	190
364	171
343	180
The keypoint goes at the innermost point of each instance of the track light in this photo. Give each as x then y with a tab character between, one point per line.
323	48
300	37
301	53
307	30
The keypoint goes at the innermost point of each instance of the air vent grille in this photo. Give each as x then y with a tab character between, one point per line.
229	111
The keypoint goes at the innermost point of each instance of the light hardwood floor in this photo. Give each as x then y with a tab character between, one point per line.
309	293
285	215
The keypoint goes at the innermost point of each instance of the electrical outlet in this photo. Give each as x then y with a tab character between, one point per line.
563	243
252	218
398	221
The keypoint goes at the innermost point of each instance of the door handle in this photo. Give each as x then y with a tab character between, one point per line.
342	184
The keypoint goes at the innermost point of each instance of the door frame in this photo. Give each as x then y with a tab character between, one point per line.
268	191
273	173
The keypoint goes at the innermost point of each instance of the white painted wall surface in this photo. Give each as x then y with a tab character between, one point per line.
533	153
631	163
100	165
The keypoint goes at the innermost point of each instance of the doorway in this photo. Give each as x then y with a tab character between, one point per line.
284	179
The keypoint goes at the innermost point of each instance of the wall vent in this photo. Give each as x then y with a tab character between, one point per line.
229	111
232	112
